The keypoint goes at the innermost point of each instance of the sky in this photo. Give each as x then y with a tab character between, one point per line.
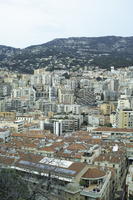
29	22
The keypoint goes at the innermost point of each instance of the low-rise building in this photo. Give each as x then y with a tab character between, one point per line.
106	108
7	115
114	157
120	134
61	179
5	135
17	126
124	118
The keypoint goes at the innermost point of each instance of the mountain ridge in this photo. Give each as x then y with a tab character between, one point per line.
69	53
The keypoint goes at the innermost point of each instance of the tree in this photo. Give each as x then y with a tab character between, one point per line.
102	97
66	75
12	186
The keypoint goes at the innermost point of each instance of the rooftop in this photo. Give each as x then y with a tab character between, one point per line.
94	173
107	129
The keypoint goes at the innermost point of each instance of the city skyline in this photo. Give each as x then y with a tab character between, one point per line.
25	23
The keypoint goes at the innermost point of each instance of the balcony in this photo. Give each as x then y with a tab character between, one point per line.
96	188
92	191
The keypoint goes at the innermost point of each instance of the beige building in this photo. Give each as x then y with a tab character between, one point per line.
8	115
17	126
124	118
107	108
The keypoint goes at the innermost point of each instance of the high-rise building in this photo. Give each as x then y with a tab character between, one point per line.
124	118
58	128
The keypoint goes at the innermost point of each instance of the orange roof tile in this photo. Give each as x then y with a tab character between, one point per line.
76	147
48	149
93	173
108	129
113	158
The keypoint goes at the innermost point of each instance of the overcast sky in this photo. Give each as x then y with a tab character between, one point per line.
28	22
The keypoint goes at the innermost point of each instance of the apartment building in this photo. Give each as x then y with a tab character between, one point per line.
5	134
124	118
106	108
61	179
114	157
66	96
7	115
17	126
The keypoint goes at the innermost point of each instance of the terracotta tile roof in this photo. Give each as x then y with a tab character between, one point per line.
69	139
94	141
77	156
30	157
130	145
64	155
80	133
28	135
58	144
107	129
17	135
70	156
84	137
48	149
29	145
77	166
94	173
77	147
113	158
6	160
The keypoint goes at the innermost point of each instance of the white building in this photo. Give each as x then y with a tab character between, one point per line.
73	108
66	96
26	92
123	102
93	120
4	134
58	128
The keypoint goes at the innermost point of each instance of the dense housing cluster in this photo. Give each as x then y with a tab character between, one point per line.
69	135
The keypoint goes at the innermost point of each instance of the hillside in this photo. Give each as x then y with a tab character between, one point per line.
70	53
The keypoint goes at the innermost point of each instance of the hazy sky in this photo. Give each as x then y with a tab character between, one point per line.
28	22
